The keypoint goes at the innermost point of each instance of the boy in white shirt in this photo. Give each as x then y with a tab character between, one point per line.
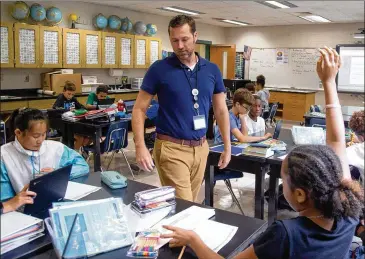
255	124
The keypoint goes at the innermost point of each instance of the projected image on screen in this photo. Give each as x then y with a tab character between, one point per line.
351	74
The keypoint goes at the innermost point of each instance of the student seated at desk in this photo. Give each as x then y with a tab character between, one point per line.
255	124
67	99
93	98
23	197
263	93
317	184
30	155
355	152
242	102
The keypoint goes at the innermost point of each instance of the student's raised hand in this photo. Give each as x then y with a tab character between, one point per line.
23	197
180	237
47	170
328	65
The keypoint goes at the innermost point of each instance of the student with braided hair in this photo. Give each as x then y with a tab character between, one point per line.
317	184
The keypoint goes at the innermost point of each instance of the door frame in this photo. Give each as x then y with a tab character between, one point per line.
207	44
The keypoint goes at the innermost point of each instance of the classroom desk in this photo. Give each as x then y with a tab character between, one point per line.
248	228
254	165
86	128
322	121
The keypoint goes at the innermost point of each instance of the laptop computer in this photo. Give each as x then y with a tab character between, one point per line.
277	129
105	103
49	188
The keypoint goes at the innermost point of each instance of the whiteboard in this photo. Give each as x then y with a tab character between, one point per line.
296	68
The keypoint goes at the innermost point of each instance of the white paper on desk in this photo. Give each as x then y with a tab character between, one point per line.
215	234
187	219
137	223
282	157
14	222
76	191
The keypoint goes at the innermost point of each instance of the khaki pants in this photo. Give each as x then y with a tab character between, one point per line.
180	166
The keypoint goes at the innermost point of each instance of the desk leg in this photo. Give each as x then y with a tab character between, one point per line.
209	184
273	198
97	160
259	191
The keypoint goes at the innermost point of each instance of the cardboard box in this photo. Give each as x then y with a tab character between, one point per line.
56	82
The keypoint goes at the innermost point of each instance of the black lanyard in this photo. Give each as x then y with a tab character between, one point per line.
195	97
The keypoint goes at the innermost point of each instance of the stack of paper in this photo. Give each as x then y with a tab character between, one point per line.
18	229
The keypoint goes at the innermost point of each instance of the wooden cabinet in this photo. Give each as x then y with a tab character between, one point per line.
13	105
41	104
154	50
50	47
141	52
110	50
126	51
292	106
72	54
91	50
26	45
7	45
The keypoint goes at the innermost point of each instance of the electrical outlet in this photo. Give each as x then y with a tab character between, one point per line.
26	79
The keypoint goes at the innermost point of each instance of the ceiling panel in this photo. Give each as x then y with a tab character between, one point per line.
250	11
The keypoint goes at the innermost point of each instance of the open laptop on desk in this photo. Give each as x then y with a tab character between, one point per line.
49	188
105	103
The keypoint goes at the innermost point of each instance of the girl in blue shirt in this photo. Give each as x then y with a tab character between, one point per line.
317	184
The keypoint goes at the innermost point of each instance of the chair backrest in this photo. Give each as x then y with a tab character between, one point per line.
272	111
116	137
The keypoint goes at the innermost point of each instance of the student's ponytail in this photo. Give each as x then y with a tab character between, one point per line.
348	199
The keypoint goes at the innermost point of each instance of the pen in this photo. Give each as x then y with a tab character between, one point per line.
182	252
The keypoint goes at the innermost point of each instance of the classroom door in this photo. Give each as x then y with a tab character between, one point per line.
225	57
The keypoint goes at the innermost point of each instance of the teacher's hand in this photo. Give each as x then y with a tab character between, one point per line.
144	159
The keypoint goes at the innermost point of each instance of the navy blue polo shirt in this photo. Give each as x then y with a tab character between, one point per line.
168	78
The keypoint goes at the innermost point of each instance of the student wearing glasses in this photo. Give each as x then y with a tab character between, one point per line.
242	103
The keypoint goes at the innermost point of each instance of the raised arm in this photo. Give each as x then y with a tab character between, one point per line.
143	156
327	69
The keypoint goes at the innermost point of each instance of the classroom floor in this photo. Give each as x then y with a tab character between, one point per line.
244	188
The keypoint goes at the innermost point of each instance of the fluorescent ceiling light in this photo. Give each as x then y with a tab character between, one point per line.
180	10
234	22
277	4
314	18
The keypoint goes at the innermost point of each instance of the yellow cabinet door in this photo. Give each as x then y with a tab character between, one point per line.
126	51
110	50
154	50
7	45
41	104
50	47
91	49
141	52
72	54
26	39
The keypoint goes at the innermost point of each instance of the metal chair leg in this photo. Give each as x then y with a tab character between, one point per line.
110	161
129	166
229	187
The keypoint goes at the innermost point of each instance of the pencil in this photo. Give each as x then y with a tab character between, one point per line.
182	252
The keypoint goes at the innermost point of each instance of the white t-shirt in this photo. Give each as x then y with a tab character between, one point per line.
355	157
255	126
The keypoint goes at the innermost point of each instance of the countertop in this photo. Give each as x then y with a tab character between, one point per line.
290	90
28	95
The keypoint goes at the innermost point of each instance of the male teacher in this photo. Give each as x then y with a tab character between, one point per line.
185	84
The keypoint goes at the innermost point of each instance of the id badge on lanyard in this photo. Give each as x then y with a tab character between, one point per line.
199	120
